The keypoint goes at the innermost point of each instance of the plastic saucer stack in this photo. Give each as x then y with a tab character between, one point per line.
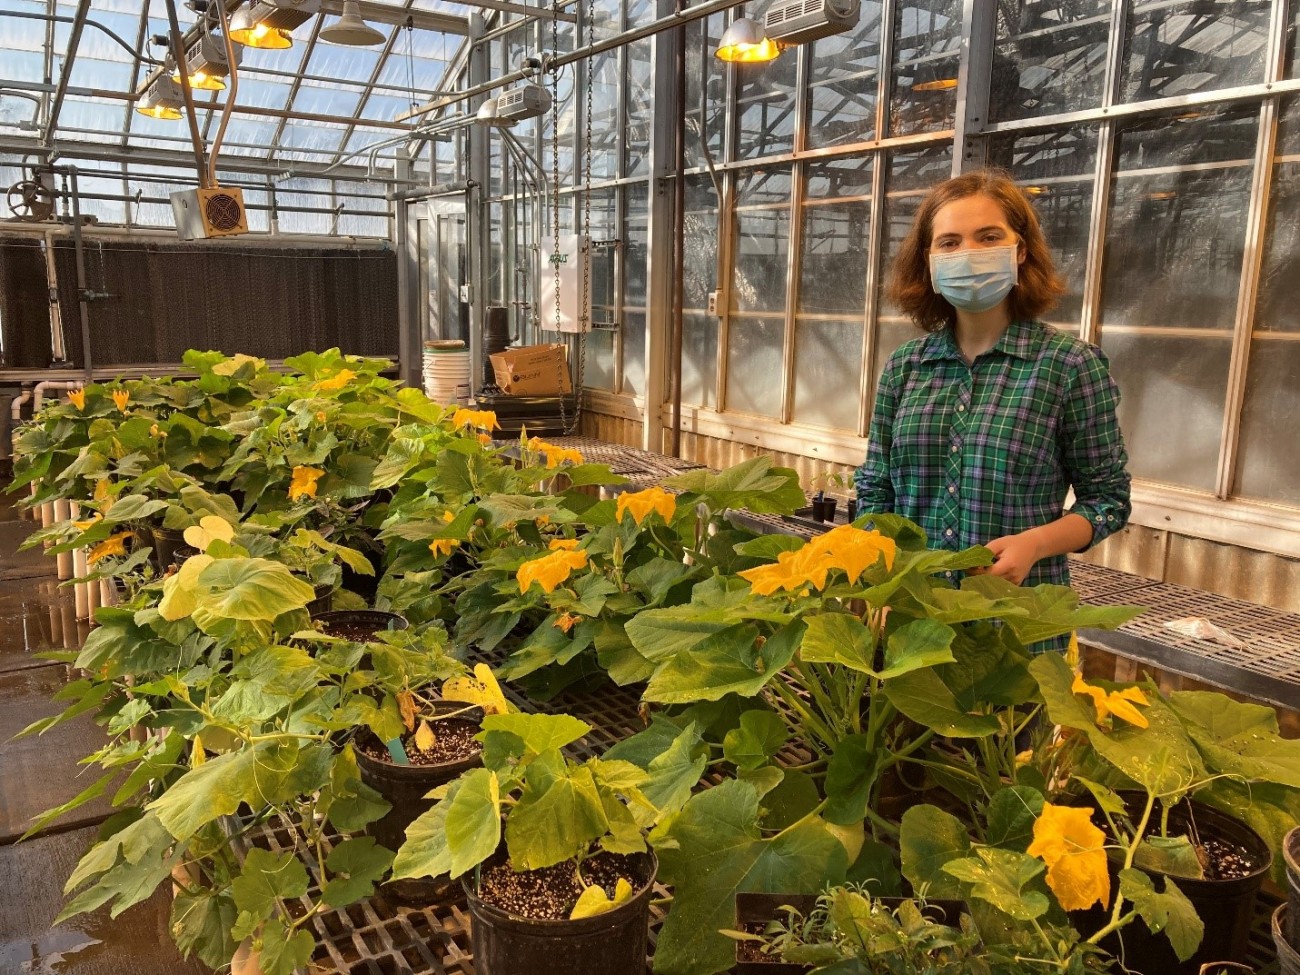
446	371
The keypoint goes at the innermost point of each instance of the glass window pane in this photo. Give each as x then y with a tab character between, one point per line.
754	364
1050	57
635	250
1292	57
927	39
604	116
640	110
762	241
706	90
700	271
1268	465
828	369
836	232
911	174
844	73
1177	48
765	105
1174	244
1056	169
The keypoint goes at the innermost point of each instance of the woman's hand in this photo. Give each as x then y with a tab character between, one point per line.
1013	556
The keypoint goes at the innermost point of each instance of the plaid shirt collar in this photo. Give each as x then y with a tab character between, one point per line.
1018	340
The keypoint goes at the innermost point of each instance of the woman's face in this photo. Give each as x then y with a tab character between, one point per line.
971	222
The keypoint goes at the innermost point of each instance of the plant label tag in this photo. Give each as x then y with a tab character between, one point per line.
397	752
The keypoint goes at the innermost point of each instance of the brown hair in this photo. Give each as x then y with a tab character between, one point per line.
1039	285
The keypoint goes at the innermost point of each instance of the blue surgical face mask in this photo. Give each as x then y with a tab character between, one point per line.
975	279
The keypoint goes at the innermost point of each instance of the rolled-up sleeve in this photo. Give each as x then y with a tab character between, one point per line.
1092	447
875	489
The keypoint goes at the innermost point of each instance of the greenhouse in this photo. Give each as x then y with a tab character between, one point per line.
603	487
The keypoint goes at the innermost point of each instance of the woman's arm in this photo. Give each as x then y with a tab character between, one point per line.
875	489
1096	465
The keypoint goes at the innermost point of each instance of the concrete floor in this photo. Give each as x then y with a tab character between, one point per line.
41	772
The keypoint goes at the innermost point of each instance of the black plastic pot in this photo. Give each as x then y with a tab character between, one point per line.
164	542
405	786
759	909
823	508
1226	906
1226	968
1288	953
1291	854
323	601
613	943
376	620
180	554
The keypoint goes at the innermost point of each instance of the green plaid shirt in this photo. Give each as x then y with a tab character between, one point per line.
975	452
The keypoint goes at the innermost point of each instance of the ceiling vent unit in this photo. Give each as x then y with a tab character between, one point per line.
802	21
524	102
202	214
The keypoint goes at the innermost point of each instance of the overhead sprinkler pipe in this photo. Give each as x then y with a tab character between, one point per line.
41	388
231	92
182	66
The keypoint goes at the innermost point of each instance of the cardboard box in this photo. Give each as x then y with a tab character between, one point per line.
533	370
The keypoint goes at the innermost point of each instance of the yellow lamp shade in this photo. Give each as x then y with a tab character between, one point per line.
746	42
169	112
260	35
202	80
162	99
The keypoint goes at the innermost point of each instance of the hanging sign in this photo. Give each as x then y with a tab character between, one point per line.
573	259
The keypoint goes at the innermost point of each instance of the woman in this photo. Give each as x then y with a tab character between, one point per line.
983	424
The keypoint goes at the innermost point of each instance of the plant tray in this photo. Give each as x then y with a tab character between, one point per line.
803	517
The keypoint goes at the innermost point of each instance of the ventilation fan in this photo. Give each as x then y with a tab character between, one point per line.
202	214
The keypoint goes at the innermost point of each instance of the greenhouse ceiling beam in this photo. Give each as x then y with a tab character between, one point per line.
627	37
178	159
294	86
214	106
74	39
531	13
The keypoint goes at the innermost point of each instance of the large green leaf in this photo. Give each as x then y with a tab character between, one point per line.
1238	739
201	923
999	877
1047	610
852	771
473	822
922	696
676	771
1170	912
839	638
1011	815
535	733
133	507
760	736
754	484
713	849
716	604
266	878
555	819
355	866
219	785
732	661
929	839
251	589
425	852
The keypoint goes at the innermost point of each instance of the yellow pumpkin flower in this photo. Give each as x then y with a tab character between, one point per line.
565	622
113	545
642	503
555	455
1074	851
337	381
444	546
550	570
320	416
480	419
855	550
78	398
86	525
304	481
791	571
485	438
1120	703
563	544
120	398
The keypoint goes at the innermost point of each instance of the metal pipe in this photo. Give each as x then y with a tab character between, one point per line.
74	39
80	250
55	18
58	350
182	65
231	93
679	240
425	192
63	512
654	27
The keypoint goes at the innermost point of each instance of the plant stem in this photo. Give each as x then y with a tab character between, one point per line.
1117	921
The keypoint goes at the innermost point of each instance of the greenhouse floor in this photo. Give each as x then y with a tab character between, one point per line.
371	938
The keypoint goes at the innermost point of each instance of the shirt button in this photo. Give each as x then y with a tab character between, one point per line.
1099	519
961	408
954	448
952	488
948	532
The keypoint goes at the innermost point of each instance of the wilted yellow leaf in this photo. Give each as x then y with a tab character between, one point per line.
425	739
481	690
594	901
209	529
406	705
1074	851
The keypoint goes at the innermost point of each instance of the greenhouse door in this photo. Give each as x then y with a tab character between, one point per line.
443	249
